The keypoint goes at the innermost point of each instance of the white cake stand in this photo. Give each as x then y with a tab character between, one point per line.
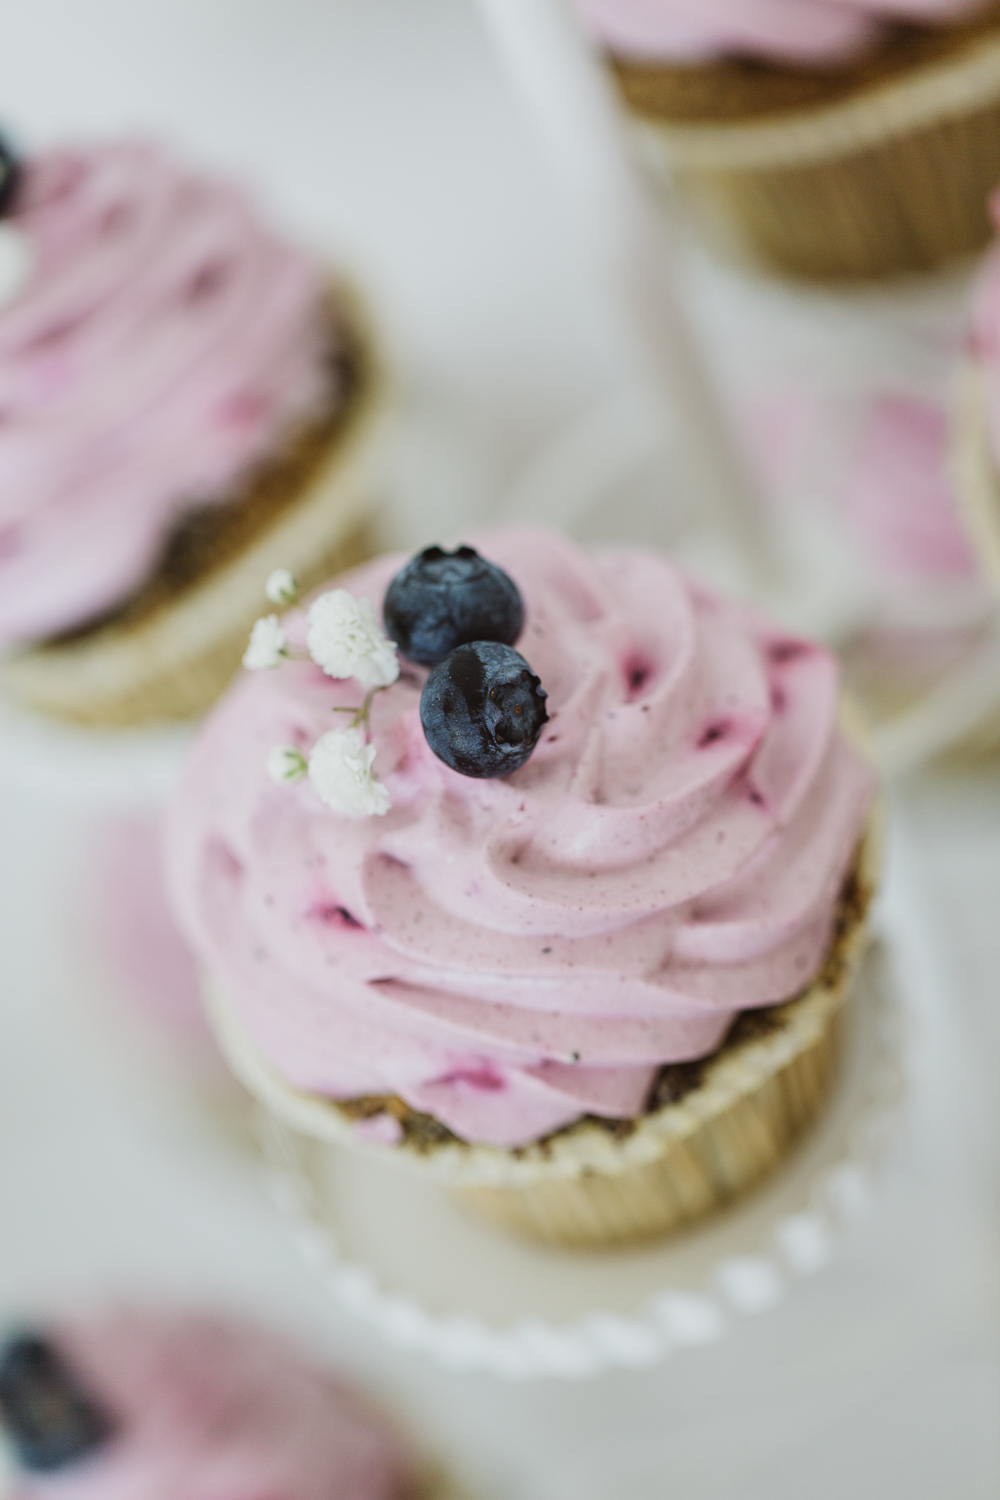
399	1255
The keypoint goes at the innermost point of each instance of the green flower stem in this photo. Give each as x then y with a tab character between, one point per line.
362	715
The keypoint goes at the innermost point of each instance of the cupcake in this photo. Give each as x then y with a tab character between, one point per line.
566	921
911	664
912	636
187	399
976	442
821	138
139	1407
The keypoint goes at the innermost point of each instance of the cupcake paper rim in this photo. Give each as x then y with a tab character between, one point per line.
953	88
584	1146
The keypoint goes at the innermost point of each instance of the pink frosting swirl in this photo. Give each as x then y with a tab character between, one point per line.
165	340
794	31
509	954
208	1410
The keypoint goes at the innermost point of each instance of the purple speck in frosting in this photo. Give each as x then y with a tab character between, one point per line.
332	915
780	652
483	1078
712	733
638	672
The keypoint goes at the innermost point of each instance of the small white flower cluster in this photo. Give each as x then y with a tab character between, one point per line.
267	647
340	768
345	638
286	765
281	588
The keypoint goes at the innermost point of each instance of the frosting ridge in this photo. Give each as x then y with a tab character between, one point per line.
510	954
164	341
794	31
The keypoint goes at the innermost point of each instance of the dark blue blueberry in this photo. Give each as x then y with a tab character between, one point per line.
482	709
10	176
441	600
49	1419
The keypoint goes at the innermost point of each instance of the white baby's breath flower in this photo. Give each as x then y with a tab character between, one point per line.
285	764
267	645
340	768
346	640
281	587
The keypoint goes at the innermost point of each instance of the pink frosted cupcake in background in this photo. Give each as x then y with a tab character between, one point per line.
875	475
934	610
561	909
142	1407
977	414
187	399
824	138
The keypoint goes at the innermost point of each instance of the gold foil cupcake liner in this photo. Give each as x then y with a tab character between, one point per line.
175	663
893	179
597	1184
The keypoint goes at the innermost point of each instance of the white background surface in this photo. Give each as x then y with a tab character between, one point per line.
382	128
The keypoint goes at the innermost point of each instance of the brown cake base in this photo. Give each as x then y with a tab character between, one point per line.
167	651
872	169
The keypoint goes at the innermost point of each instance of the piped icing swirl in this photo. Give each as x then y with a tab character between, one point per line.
164	342
508	955
202	1408
794	31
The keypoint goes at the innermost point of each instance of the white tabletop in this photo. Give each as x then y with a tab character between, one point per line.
383	129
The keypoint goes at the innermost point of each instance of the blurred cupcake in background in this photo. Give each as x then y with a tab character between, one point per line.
186	400
822	138
976	448
134	1406
934	610
873	473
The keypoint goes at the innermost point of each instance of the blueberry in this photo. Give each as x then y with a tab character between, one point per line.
10	176
50	1421
441	600
482	709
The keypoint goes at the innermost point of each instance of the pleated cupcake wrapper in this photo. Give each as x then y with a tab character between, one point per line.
175	664
895	179
694	1175
588	1185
